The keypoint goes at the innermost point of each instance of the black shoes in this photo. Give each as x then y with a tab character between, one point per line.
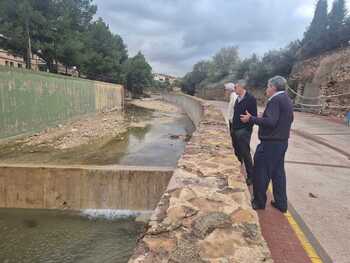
249	181
283	210
257	207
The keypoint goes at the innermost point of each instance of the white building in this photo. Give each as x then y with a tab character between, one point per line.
163	78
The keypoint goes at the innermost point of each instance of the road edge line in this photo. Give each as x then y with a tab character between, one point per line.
305	243
309	249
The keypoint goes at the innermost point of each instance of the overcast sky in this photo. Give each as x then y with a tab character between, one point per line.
175	34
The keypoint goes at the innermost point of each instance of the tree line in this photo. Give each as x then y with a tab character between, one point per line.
65	32
327	31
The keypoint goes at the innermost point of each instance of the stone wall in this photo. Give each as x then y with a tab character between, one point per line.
325	76
212	93
205	214
217	93
82	187
30	101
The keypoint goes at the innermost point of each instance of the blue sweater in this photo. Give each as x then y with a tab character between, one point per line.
248	103
277	119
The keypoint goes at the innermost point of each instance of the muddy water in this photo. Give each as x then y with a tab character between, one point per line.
154	138
64	237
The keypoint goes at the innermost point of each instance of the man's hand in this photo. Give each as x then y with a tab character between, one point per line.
246	117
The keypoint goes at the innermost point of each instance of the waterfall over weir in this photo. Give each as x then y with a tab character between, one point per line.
89	203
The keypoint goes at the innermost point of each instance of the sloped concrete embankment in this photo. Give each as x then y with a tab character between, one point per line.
205	213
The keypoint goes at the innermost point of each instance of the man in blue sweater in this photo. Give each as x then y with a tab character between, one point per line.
274	129
241	132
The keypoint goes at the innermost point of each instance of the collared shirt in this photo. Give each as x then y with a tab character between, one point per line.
277	93
240	98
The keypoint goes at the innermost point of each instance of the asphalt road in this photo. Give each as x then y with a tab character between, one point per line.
318	180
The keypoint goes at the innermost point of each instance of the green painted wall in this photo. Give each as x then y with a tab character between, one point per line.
31	101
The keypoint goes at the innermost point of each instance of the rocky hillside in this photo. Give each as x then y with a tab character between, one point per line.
324	82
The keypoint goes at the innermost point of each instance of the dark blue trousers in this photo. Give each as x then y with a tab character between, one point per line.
269	165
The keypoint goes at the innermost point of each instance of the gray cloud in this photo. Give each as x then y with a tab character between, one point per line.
174	34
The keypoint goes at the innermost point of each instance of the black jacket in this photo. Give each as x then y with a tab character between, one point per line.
277	119
248	103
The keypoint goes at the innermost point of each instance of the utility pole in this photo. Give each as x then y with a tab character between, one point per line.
29	47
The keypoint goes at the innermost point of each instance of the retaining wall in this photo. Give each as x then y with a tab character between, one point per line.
193	108
205	214
328	76
60	187
30	101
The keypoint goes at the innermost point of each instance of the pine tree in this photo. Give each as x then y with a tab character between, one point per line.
346	32
315	38
138	74
336	21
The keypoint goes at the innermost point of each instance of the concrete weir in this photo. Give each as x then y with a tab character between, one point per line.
205	214
202	210
82	187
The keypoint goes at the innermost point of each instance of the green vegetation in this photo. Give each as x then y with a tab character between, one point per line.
138	74
327	31
64	31
256	70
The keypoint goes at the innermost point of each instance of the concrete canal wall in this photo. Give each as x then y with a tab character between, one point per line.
193	108
205	214
82	187
31	101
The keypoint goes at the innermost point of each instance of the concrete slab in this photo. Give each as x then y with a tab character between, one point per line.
82	187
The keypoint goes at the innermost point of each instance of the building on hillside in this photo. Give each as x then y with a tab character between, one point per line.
15	61
163	78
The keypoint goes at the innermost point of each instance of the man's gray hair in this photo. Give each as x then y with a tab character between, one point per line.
242	83
280	83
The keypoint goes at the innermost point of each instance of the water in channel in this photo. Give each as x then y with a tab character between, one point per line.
50	236
155	139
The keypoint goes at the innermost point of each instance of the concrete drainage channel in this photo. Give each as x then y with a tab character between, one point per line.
201	209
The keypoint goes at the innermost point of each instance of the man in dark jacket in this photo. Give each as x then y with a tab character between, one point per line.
241	132
274	129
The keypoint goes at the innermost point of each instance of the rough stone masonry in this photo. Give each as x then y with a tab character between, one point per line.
205	214
328	76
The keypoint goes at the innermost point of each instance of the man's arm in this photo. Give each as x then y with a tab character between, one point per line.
272	114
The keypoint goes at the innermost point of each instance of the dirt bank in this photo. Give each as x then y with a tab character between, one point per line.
89	128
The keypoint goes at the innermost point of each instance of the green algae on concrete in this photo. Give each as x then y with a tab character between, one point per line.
31	100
